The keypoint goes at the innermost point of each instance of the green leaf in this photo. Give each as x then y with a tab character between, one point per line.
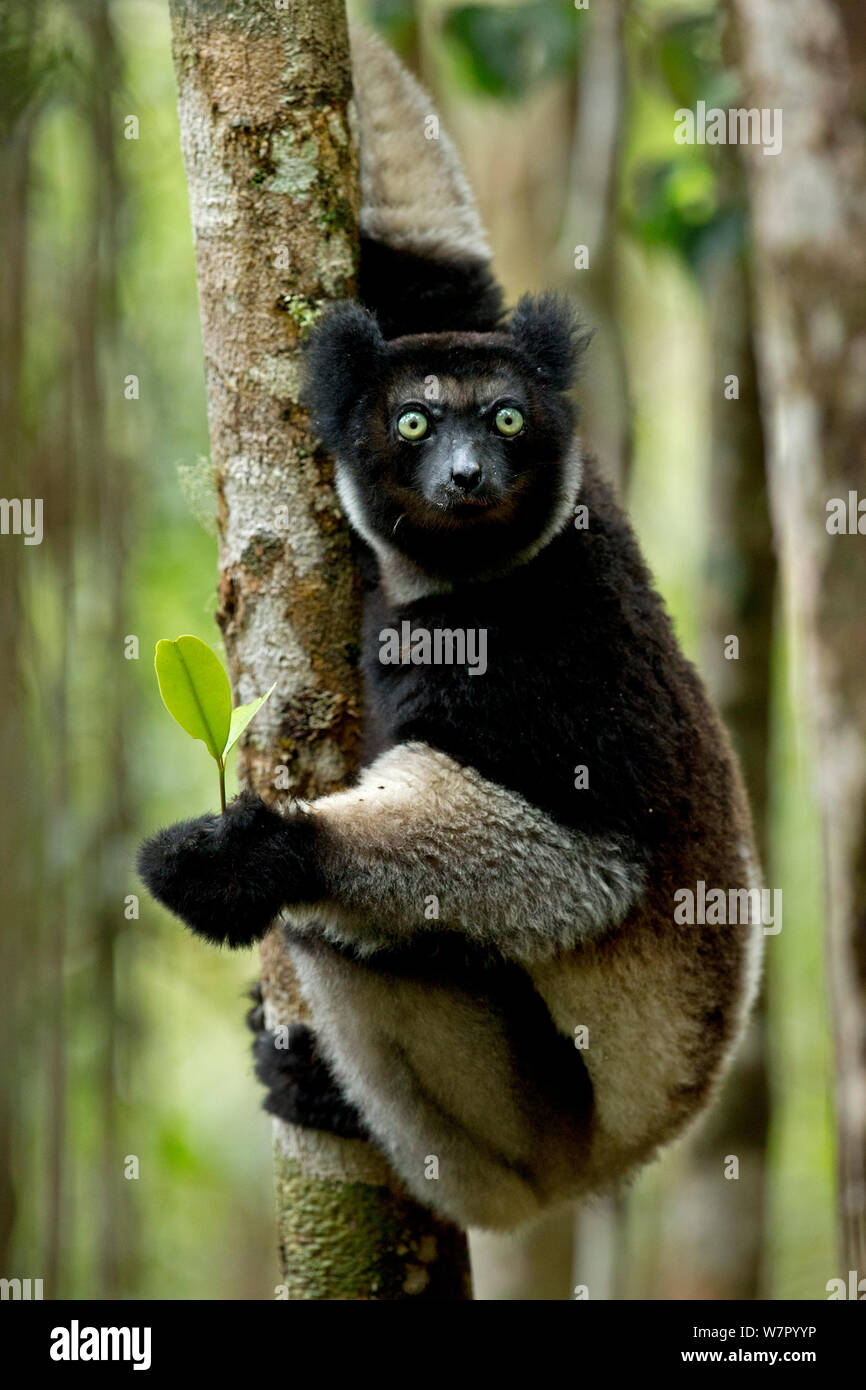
241	717
195	690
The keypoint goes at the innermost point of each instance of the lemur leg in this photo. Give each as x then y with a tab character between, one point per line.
658	1027
421	837
483	1109
300	1086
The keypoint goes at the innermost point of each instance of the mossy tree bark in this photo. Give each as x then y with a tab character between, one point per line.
264	95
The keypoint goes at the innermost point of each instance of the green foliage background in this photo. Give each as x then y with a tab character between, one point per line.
146	1023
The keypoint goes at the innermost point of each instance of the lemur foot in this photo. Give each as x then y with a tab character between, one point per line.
300	1086
228	876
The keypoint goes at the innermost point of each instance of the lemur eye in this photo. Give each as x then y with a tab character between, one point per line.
509	420
412	425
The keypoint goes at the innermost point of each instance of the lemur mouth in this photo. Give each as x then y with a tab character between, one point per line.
450	509
457	502
476	510
469	504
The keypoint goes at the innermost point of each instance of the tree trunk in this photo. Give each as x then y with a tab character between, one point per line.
271	165
715	1230
808	57
590	219
17	33
727	1225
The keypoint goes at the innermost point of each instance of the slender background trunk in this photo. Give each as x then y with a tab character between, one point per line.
808	58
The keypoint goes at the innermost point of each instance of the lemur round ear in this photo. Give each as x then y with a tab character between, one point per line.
547	329
349	320
342	356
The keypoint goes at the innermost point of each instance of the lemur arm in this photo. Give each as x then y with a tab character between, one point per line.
418	829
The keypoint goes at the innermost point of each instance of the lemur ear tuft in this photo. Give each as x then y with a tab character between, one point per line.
548	331
342	359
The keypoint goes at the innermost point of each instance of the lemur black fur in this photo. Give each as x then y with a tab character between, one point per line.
486	940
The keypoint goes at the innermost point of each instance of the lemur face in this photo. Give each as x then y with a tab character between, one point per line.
454	448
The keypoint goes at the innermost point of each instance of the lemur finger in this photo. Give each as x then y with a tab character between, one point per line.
255	1016
300	1086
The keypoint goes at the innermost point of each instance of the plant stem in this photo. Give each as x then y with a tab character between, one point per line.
222	772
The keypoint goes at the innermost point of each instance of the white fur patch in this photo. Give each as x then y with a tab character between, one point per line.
569	484
419	825
414	194
429	1069
754	956
402	580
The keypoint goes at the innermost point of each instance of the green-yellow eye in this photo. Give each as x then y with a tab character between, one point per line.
509	420
412	425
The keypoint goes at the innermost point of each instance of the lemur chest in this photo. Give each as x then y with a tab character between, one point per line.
503	690
466	674
529	687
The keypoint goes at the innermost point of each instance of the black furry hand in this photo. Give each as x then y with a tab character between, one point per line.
228	876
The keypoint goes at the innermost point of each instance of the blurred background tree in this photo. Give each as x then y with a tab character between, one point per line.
121	1039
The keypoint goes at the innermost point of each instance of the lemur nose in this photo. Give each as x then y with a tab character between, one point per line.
465	474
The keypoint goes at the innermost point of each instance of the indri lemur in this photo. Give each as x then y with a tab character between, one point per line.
455	1036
